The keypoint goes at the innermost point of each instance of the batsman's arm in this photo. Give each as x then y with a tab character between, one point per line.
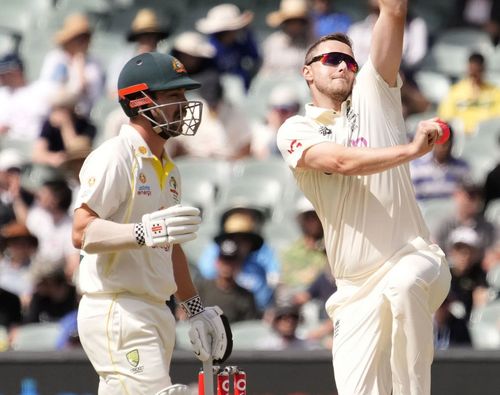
350	161
185	286
387	39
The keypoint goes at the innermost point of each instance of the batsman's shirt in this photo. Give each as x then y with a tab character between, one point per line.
366	219
122	180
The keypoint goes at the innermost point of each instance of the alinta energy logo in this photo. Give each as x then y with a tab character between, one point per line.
133	359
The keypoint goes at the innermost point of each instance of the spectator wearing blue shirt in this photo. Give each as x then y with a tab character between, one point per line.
260	271
236	49
437	174
326	21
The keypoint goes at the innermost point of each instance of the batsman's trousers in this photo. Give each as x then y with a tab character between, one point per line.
129	342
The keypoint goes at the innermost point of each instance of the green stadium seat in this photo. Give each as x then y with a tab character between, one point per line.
248	334
36	337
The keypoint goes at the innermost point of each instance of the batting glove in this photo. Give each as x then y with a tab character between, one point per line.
210	333
173	225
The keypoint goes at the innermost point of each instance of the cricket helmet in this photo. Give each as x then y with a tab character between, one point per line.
150	72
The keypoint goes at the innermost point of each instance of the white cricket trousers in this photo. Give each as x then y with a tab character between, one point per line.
383	333
129	342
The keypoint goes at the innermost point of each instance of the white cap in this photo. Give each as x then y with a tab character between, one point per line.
10	158
194	44
283	95
464	235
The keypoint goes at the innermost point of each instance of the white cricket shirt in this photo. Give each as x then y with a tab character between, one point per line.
122	180
366	219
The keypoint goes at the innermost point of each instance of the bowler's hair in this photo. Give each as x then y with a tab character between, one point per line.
343	38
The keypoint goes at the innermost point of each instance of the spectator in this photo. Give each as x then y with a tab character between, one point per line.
71	67
229	32
63	130
53	296
237	303
23	105
50	222
11	162
145	33
493	24
260	271
304	259
285	321
467	277
449	330
326	21
468	212
283	103
415	43
18	246
437	174
284	50
472	99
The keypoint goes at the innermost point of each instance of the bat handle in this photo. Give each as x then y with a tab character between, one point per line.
208	377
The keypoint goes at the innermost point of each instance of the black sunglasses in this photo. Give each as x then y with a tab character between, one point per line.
334	59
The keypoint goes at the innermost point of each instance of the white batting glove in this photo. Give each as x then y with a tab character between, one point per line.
173	225
210	333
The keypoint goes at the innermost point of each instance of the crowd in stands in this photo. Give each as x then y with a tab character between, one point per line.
259	261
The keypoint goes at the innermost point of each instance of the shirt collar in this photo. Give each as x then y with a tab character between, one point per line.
141	149
326	116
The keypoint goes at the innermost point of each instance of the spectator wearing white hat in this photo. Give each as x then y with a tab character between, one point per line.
283	51
229	32
468	280
283	103
70	66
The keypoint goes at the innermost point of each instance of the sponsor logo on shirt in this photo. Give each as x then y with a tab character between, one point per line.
293	146
325	131
172	183
359	142
134	360
336	329
143	189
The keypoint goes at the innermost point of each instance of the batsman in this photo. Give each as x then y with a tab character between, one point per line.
349	154
130	224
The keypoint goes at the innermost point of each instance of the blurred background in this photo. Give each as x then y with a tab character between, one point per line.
260	252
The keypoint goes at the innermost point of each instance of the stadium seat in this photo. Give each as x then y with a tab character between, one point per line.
248	334
434	86
435	211
36	337
217	171
450	52
200	193
493	278
484	326
481	150
492	212
262	192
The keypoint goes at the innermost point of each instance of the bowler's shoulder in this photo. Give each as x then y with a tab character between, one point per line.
294	124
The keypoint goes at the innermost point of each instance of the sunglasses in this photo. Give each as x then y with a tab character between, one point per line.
334	59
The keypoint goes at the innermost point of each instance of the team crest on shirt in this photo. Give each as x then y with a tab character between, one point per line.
142	150
91	181
133	359
172	184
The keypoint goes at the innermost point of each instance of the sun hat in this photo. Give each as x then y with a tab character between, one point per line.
194	44
224	17
74	25
289	9
146	22
241	224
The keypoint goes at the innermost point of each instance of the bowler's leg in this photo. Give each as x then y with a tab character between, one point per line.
361	347
411	284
